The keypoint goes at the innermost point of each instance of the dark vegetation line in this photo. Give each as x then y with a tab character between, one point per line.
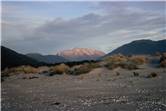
70	64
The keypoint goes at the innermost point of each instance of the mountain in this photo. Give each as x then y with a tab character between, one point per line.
79	54
50	59
139	47
10	58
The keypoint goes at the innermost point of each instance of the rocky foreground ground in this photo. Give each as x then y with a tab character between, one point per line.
99	90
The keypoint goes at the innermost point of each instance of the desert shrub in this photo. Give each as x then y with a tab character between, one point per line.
27	69
126	65
152	75
93	65
125	62
135	73
163	60
111	65
30	77
129	66
138	59
115	59
43	69
163	63
163	56
84	68
19	70
59	69
117	73
79	70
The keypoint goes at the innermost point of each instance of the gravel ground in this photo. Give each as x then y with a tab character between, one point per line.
99	90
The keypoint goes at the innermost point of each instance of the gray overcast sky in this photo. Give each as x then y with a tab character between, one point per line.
48	27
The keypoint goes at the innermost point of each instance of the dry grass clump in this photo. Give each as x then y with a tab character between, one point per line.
43	69
115	59
128	65
125	62
19	70
59	69
85	68
163	63
30	77
152	75
135	74
117	73
138	59
163	60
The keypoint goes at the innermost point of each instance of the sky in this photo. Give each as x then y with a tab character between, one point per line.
49	27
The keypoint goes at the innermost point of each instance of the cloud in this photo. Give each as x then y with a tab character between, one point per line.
118	24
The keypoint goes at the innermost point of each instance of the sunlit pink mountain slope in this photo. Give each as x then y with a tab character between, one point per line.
78	54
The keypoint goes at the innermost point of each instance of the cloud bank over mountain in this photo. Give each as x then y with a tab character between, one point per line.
47	27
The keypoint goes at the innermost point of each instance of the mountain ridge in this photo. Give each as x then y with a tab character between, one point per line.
50	59
138	47
11	58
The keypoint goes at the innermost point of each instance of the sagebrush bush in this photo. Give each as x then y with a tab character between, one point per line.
117	73
163	63
27	69
115	59
128	65
135	73
152	75
163	60
112	65
43	69
125	62
84	68
138	59
60	69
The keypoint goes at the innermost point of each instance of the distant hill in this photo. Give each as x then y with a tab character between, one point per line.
139	47
50	59
10	58
80	54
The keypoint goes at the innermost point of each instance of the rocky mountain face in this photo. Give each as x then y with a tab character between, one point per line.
79	54
140	47
50	59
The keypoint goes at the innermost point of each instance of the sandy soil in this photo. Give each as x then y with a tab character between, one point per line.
99	90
